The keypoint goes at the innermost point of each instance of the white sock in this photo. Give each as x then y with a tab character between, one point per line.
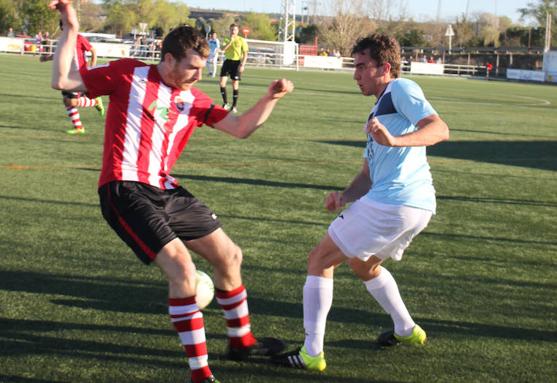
318	299
385	291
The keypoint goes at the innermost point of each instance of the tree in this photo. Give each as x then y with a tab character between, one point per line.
348	23
124	15
260	26
412	38
8	16
538	12
91	17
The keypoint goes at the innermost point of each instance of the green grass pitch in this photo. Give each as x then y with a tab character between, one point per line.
76	306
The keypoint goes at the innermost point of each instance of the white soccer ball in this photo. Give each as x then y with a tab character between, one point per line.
205	290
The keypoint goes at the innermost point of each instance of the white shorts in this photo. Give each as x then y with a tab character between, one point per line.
368	228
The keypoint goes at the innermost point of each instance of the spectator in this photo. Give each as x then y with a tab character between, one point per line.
11	32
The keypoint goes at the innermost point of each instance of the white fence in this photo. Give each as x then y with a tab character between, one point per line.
265	54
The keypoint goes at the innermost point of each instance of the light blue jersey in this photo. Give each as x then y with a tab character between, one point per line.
400	176
214	45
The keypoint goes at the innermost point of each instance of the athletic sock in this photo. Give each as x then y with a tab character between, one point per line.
385	291
236	312
188	322
235	94
318	299
224	96
86	102
73	114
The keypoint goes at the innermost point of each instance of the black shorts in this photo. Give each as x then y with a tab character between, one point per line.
146	218
67	94
230	68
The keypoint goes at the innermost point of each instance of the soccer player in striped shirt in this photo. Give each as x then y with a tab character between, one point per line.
153	111
74	100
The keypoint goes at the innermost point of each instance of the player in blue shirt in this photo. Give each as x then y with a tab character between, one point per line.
392	200
214	50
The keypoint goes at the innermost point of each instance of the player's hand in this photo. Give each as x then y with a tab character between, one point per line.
334	201
379	133
59	4
279	88
241	68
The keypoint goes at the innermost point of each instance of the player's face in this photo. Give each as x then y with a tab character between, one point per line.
234	31
187	71
368	75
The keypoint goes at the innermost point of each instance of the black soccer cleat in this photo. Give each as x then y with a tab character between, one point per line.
210	379
263	347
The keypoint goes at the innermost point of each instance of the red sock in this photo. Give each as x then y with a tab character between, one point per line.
85	102
188	322
73	114
235	306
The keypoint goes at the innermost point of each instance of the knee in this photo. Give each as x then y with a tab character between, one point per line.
182	272
364	270
229	261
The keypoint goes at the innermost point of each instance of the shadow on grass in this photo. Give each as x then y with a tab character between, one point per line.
530	154
256	182
19	379
475	238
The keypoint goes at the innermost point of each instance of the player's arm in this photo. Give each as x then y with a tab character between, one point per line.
244	58
64	77
359	186
431	130
93	60
244	125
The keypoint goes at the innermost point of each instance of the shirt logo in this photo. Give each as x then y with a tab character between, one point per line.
180	103
160	112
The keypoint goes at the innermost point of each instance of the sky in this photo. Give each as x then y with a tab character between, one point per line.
419	10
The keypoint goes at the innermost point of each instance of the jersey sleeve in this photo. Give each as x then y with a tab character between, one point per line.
85	44
206	112
103	79
409	100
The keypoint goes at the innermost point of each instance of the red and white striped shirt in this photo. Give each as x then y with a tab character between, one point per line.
148	123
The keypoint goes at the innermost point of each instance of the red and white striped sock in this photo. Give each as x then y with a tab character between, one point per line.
188	322
235	306
73	114
86	102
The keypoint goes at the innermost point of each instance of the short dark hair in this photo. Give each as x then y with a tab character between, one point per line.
381	48
233	25
180	39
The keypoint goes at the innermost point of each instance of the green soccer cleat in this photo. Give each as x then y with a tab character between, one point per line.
75	131
301	359
99	106
417	338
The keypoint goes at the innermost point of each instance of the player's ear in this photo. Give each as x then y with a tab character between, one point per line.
386	68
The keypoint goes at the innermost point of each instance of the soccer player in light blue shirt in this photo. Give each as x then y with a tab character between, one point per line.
391	200
214	50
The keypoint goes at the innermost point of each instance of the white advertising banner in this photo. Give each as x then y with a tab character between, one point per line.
526	75
426	68
112	50
11	44
550	61
323	62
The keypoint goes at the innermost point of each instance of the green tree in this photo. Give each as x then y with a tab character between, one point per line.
260	26
9	16
539	10
412	38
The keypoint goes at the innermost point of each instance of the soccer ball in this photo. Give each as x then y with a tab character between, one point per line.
205	289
